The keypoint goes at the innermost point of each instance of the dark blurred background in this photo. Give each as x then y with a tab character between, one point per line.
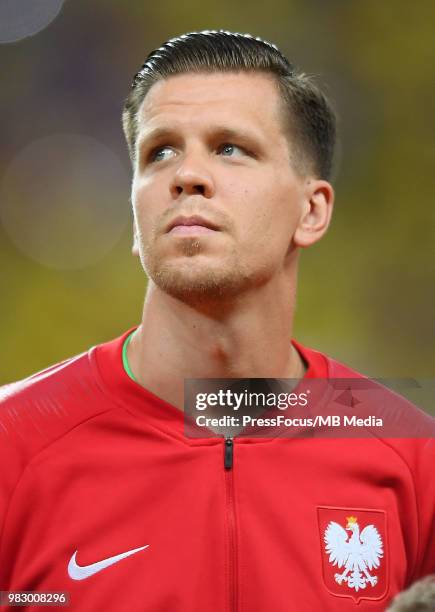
68	280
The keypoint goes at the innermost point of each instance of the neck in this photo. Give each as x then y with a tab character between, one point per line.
247	337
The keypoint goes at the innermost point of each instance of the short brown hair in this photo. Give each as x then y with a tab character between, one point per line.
310	119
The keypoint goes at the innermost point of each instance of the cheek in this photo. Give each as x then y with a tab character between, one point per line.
144	199
271	217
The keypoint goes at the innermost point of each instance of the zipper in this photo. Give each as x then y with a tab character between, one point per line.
231	515
229	453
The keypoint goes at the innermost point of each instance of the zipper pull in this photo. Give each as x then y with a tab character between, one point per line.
228	453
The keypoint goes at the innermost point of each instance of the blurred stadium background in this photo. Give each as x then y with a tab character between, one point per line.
68	281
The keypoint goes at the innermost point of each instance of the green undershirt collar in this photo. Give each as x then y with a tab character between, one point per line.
124	356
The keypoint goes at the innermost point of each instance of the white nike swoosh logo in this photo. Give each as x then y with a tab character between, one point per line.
80	572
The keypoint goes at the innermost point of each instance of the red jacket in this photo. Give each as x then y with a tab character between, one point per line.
93	467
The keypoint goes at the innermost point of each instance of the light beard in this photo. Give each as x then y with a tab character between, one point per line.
194	281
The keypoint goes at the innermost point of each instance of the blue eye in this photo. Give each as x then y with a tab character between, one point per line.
158	154
227	149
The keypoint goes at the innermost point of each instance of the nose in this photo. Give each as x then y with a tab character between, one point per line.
192	178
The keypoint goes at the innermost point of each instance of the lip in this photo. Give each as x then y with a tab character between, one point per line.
191	230
196	223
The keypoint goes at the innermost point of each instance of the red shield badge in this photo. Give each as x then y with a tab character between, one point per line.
354	552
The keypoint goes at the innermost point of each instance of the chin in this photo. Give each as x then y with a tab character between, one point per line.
195	281
189	279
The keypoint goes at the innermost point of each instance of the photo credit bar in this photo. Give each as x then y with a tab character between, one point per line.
314	408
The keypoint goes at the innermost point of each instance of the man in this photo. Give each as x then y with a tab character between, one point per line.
104	497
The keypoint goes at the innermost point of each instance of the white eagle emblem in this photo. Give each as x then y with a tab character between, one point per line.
361	553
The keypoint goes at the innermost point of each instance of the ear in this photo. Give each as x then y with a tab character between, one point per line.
317	212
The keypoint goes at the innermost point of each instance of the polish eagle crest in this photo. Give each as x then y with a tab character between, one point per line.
356	554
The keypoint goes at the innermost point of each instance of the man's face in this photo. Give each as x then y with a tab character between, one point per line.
213	145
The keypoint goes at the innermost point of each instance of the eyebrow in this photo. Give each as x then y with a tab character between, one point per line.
218	132
149	136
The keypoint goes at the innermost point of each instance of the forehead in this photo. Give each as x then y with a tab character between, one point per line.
237	98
